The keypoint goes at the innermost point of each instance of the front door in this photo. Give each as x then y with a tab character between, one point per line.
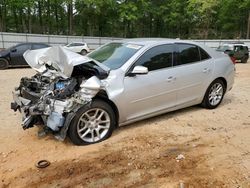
155	91
16	54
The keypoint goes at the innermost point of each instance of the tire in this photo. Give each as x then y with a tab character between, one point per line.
4	64
87	124
244	60
212	99
83	52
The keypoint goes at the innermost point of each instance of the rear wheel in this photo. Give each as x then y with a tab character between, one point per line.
93	123
4	64
214	94
83	52
244	60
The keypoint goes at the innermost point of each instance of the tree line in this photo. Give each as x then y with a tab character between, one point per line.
190	19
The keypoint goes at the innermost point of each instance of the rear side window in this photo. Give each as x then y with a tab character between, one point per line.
188	53
238	48
39	46
157	57
76	44
23	47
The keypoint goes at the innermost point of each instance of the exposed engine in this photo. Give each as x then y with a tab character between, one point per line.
47	100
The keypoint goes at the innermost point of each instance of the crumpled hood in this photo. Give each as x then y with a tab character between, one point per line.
58	57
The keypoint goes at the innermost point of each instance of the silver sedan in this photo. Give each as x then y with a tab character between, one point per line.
117	84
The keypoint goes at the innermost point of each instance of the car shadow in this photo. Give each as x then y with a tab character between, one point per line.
157	118
169	115
21	67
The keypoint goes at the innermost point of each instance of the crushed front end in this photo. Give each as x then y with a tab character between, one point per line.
51	98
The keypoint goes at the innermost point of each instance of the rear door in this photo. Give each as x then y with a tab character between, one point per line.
152	92
16	54
194	67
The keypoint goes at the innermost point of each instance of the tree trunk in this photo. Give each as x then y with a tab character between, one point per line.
56	14
3	17
248	26
29	18
15	18
48	17
70	17
22	21
40	16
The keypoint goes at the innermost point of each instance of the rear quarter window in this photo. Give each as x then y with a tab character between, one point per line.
204	55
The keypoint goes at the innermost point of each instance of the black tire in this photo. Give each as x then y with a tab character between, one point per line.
83	52
4	64
74	126
206	103
244	60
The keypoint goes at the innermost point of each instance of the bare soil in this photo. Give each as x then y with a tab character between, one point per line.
215	145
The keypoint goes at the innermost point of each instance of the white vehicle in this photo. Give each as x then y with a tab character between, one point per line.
78	47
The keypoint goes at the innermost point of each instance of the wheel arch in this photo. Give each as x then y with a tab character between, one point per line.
104	96
223	80
219	78
7	62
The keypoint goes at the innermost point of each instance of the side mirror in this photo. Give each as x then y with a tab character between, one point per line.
138	70
13	50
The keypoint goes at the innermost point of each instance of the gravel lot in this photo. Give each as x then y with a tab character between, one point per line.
215	145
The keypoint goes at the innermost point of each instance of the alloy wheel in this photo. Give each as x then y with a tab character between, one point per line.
93	125
215	94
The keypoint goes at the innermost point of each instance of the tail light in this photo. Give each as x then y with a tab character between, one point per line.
233	59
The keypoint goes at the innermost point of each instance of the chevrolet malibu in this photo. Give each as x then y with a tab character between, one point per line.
87	97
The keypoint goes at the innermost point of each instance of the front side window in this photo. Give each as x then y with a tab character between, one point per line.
187	53
23	47
157	57
114	55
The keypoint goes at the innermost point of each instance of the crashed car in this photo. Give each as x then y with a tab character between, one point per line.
87	97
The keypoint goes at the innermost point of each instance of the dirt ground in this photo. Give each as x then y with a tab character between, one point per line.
215	145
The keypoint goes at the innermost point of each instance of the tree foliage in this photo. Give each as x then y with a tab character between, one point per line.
128	18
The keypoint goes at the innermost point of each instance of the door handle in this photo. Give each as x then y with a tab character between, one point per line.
170	78
206	70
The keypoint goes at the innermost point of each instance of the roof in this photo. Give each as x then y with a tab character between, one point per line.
234	44
150	41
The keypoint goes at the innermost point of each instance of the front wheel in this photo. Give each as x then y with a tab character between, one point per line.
93	123
4	64
214	94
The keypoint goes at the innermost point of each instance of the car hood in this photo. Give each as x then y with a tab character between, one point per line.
57	57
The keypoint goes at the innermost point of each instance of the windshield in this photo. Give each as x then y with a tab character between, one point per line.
114	55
